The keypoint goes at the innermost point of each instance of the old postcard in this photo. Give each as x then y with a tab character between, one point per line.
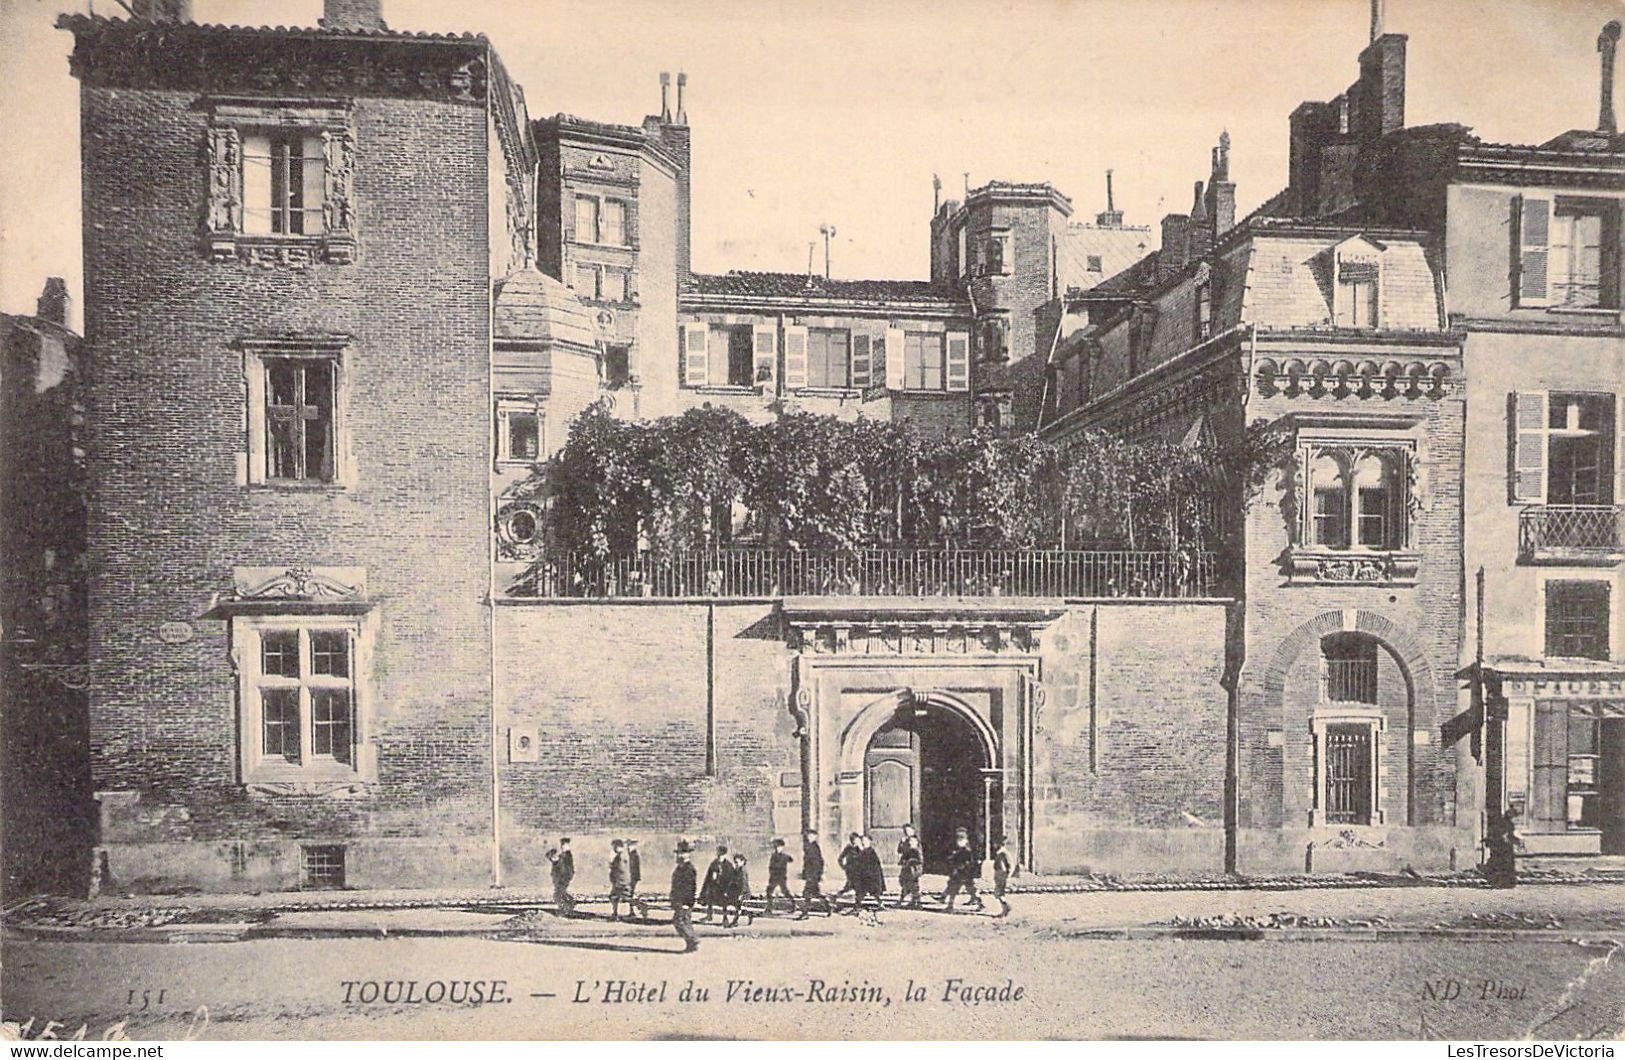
1042	519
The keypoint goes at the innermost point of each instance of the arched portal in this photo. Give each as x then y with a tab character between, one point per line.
931	763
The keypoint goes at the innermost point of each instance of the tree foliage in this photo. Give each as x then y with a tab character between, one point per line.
817	482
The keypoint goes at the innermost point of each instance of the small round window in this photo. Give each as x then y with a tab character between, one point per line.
521	526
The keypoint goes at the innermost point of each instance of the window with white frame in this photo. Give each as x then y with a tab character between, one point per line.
1347	739
1356	497
1357	292
601	220
283	183
301	696
519	431
1567	250
829	357
1564	447
922	361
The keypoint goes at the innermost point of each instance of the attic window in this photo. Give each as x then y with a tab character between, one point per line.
1095	264
1356	296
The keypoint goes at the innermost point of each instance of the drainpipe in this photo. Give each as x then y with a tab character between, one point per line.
1235	654
490	538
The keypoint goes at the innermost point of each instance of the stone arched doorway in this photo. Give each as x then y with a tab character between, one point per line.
930	761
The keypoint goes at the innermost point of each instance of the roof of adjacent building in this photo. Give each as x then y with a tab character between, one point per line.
1289	280
1117	248
76	23
742	283
533	307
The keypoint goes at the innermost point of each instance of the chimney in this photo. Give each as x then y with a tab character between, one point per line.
1380	99
1376	18
162	10
53	302
1221	192
1607	43
1314	127
353	15
665	87
1112	217
1176	229
1199	237
682	83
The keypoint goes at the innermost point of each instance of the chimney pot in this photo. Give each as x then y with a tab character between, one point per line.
682	112
665	87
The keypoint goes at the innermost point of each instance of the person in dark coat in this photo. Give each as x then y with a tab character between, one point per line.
563	870
634	868
620	881
1501	840
848	861
812	876
735	891
910	866
964	866
871	877
714	889
682	898
1001	874
778	878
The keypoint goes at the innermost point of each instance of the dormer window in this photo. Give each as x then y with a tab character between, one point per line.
1357	292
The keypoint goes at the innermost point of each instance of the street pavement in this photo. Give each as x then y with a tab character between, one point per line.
1542	962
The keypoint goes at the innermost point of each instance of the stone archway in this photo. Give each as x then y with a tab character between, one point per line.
923	758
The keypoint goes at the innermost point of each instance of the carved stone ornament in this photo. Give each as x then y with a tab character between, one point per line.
911	638
301	583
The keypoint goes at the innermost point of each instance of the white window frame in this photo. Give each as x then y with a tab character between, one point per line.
247	639
600	207
909	383
254	461
1376	722
1344	305
508	407
1530	449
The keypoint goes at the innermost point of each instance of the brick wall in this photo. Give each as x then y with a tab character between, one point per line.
169	520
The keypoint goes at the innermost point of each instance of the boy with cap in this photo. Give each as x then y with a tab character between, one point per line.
620	881
963	868
778	878
1001	874
812	875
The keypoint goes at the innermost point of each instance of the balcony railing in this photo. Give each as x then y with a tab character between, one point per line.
757	572
1571	532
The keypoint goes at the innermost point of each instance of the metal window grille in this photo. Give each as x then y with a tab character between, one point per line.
1348	774
323	866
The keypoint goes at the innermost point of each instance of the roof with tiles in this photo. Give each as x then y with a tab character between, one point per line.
94	23
739	283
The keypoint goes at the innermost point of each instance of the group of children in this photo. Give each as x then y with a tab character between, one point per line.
727	881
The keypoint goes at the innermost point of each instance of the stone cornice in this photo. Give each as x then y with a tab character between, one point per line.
259	62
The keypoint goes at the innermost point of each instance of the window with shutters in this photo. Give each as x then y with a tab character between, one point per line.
829	357
732	355
1567	251
1577	619
1564	448
923	361
302	696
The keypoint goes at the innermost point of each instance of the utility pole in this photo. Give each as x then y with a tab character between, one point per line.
828	232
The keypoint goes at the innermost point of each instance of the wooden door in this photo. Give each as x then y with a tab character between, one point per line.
891	785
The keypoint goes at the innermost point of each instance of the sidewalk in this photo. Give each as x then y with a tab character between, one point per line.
1564	901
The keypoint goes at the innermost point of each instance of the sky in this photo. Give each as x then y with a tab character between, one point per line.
839	112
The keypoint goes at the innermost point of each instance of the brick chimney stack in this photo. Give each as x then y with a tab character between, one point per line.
53	302
1111	217
665	92
162	10
352	14
1221	191
1607	44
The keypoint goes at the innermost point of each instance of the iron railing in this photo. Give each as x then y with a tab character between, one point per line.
748	571
1570	528
1351	680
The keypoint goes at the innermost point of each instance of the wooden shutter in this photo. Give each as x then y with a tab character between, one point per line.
862	360
1533	221
696	367
894	359
1526	415
765	343
795	358
956	368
